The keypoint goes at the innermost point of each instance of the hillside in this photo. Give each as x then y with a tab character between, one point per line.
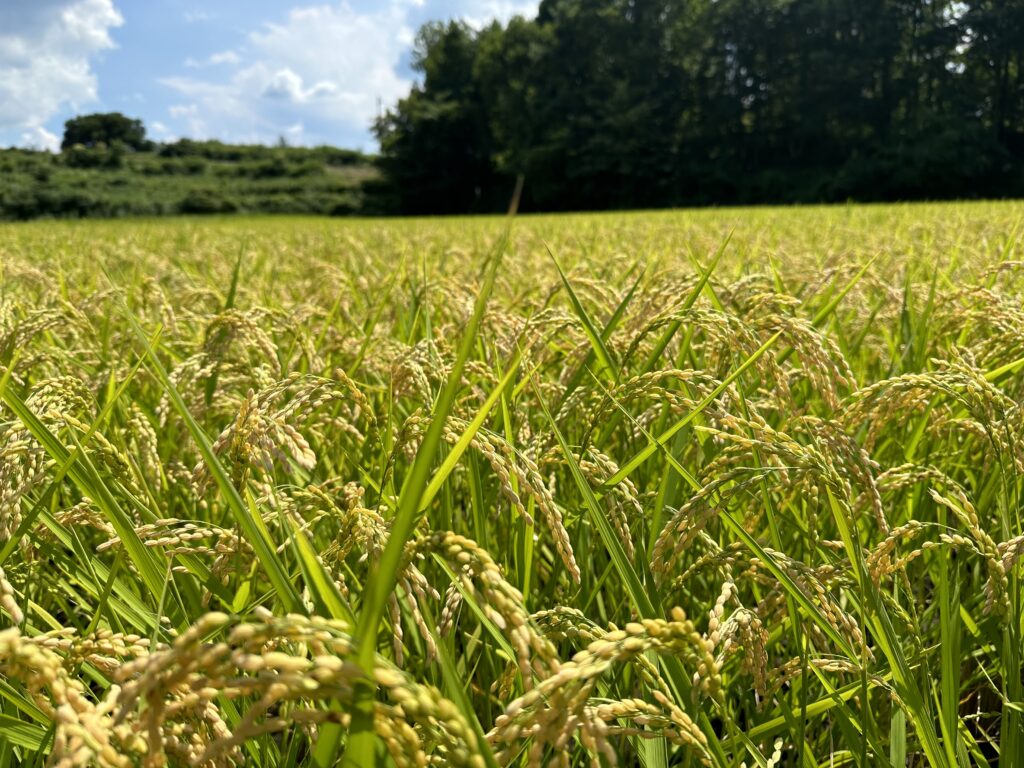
182	177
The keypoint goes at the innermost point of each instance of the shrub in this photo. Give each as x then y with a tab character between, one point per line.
100	156
207	201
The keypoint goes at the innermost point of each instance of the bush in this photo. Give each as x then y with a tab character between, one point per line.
207	201
345	205
183	166
271	169
184	177
100	156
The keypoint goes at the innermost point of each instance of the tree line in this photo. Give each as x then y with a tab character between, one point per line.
639	103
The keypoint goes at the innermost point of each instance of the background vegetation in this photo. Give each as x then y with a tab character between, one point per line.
603	104
108	173
639	103
678	489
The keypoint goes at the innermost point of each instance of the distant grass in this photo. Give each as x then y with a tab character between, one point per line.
676	488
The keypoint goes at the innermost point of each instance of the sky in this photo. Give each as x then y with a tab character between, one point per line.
237	70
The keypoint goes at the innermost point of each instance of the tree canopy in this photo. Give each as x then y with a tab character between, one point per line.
637	103
104	128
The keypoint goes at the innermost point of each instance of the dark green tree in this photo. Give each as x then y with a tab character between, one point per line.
436	144
509	70
104	128
635	103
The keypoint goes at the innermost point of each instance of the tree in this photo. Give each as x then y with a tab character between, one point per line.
104	128
436	144
636	103
509	68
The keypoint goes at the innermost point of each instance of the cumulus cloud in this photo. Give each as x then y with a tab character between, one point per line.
328	68
40	138
225	57
327	65
288	86
46	48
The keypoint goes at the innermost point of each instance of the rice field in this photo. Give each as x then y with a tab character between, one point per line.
710	488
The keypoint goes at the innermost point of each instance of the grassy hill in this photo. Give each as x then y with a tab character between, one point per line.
183	177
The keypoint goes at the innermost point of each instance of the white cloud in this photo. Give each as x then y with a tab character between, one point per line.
325	64
40	138
46	47
325	67
287	86
284	84
224	57
188	115
350	58
161	132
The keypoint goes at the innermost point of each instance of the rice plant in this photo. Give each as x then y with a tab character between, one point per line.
713	488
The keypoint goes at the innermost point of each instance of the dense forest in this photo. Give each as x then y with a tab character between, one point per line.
639	103
600	104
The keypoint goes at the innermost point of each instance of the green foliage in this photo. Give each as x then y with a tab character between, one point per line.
207	201
237	153
639	103
183	177
104	129
436	144
95	156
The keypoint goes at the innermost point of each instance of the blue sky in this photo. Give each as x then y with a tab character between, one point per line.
236	70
